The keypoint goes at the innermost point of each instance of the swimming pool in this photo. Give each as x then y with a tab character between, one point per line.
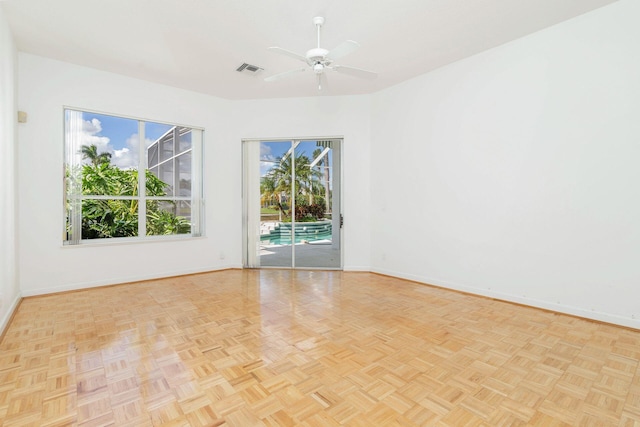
304	231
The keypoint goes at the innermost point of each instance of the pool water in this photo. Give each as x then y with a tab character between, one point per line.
309	231
286	240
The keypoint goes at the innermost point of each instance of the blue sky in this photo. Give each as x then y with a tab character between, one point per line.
271	150
118	136
119	129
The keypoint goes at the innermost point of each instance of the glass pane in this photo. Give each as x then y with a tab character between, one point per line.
183	166
107	150
109	218
276	163
73	216
160	148
152	155
109	139
156	134
166	217
314	225
166	145
185	140
166	175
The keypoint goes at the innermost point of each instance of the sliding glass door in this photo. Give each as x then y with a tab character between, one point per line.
277	165
292	203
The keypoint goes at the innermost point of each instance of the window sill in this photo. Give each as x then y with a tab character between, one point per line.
119	241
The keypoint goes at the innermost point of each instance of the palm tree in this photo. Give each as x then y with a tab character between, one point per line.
90	152
278	180
303	181
323	164
269	193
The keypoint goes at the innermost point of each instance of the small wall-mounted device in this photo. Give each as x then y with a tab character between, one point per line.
22	117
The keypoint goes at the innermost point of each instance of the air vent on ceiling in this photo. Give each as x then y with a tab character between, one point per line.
254	69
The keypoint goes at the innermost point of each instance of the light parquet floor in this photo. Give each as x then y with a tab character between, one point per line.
284	348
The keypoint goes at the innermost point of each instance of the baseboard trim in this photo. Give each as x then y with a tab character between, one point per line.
8	317
357	268
122	280
530	302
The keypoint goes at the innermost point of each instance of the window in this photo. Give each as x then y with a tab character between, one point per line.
105	166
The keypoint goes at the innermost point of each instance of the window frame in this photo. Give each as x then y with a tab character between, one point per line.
73	193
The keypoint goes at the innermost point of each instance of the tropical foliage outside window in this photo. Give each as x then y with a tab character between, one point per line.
311	187
108	159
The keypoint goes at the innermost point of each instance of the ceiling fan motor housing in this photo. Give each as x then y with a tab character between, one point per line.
317	54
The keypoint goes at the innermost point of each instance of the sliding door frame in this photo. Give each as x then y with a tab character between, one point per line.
249	253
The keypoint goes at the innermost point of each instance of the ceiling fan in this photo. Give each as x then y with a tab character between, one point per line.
320	60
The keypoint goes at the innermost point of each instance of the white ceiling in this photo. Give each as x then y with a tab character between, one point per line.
198	44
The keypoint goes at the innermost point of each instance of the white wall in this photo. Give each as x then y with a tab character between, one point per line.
9	291
516	173
512	174
45	86
317	117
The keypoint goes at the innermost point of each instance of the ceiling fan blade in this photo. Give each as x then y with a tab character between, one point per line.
356	72
288	53
343	49
284	75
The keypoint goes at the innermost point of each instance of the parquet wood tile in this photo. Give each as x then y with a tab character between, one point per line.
302	348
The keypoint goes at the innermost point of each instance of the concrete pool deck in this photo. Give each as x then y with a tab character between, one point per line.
314	255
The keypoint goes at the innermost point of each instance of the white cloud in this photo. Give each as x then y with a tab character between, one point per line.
91	126
89	136
265	151
124	158
127	157
121	157
267	159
